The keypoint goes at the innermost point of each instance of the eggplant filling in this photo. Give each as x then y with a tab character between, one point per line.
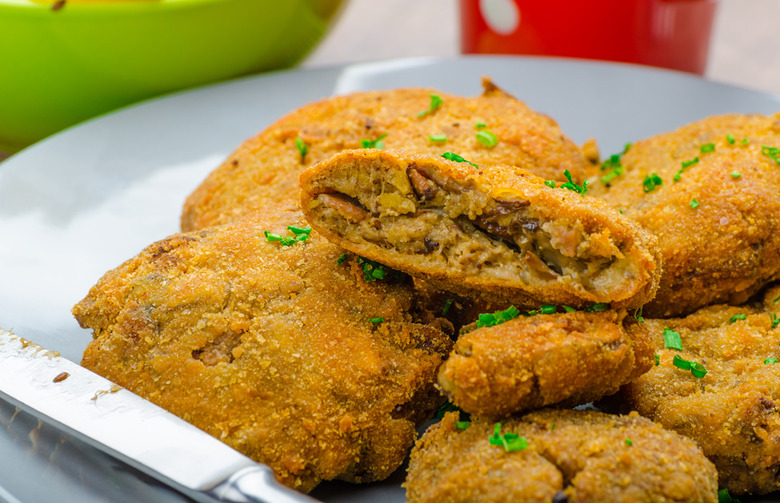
455	225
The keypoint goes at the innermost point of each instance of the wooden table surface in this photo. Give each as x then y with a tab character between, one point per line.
745	47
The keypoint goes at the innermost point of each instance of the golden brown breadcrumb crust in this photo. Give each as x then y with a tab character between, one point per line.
576	456
718	224
278	351
531	362
493	231
731	412
264	170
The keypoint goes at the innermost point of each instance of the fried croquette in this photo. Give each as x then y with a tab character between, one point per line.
710	193
498	232
531	362
722	389
266	340
264	170
558	456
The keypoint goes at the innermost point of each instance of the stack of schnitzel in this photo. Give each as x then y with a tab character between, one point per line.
372	257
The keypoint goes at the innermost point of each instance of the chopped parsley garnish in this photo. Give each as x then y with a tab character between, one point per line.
696	368
595	308
771	152
550	183
579	189
378	143
638	314
672	339
775	320
303	149
694	203
744	141
450	156
657	359
685	165
730	138
629	442
487	138
446	407
725	497
651	182
735	174
299	234
438	138
614	165
377	320
770	361
737	317
547	309
436	102
372	271
777	299
492	319
342	258
446	308
707	147
510	441
462	425
299	230
480	125
568	309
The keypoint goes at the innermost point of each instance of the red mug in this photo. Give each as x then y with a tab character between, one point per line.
666	33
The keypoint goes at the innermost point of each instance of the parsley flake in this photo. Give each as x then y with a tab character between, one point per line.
480	125
550	183
697	369
573	186
707	147
628	442
771	152
372	271
436	102
446	308
342	258
438	138
736	317
378	320
638	314
547	309
303	149
596	308
672	339
462	425
497	318
299	234
614	164
730	138
510	441
694	203
657	359
450	156
775	320
735	174
725	497
651	182
487	138
770	361
377	143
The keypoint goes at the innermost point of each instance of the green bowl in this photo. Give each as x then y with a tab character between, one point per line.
61	66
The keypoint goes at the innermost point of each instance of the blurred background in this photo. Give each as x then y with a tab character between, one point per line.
744	45
744	50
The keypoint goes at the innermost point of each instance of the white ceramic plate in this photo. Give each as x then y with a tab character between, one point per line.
83	201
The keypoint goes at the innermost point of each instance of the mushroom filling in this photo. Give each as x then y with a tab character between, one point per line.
451	224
